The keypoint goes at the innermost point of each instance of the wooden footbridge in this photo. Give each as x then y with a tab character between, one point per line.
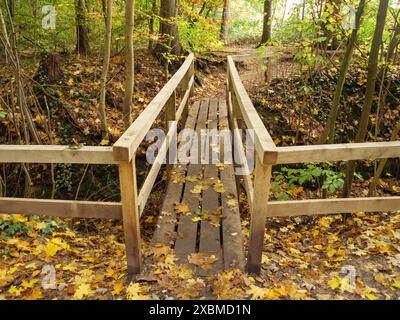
220	233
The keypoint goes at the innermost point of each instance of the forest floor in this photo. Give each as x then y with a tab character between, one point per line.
323	257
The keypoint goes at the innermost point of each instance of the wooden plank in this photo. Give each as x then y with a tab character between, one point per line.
165	231
338	152
61	208
187	229
155	169
210	236
332	206
233	250
55	154
262	185
130	213
127	145
264	144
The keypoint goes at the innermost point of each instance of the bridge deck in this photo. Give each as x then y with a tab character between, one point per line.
200	213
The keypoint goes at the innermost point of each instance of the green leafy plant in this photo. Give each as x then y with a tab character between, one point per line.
9	228
313	175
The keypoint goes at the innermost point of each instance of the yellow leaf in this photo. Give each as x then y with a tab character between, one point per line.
232	202
82	291
220	166
149	219
182	208
369	293
15	291
203	261
256	292
36	294
134	292
51	249
40	225
191	179
198	189
219	187
335	283
118	287
28	285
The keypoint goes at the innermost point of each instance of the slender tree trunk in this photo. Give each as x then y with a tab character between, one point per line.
266	36
284	11
203	7
330	126
224	21
129	56
370	89
381	166
151	23
106	64
82	30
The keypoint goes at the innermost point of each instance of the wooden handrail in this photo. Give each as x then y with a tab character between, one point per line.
332	206
122	154
338	152
265	146
127	145
267	154
61	208
56	154
132	201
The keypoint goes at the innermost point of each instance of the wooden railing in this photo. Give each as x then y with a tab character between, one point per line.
122	154
125	149
241	110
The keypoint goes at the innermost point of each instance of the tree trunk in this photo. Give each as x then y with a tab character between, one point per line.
203	7
330	126
170	42
370	89
332	41
106	64
266	36
82	30
129	56
224	21
151	23
381	166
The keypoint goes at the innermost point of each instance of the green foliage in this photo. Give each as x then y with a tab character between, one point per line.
246	20
313	175
200	36
9	228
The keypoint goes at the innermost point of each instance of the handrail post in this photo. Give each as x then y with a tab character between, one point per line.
191	73
170	110
130	214
170	116
262	185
